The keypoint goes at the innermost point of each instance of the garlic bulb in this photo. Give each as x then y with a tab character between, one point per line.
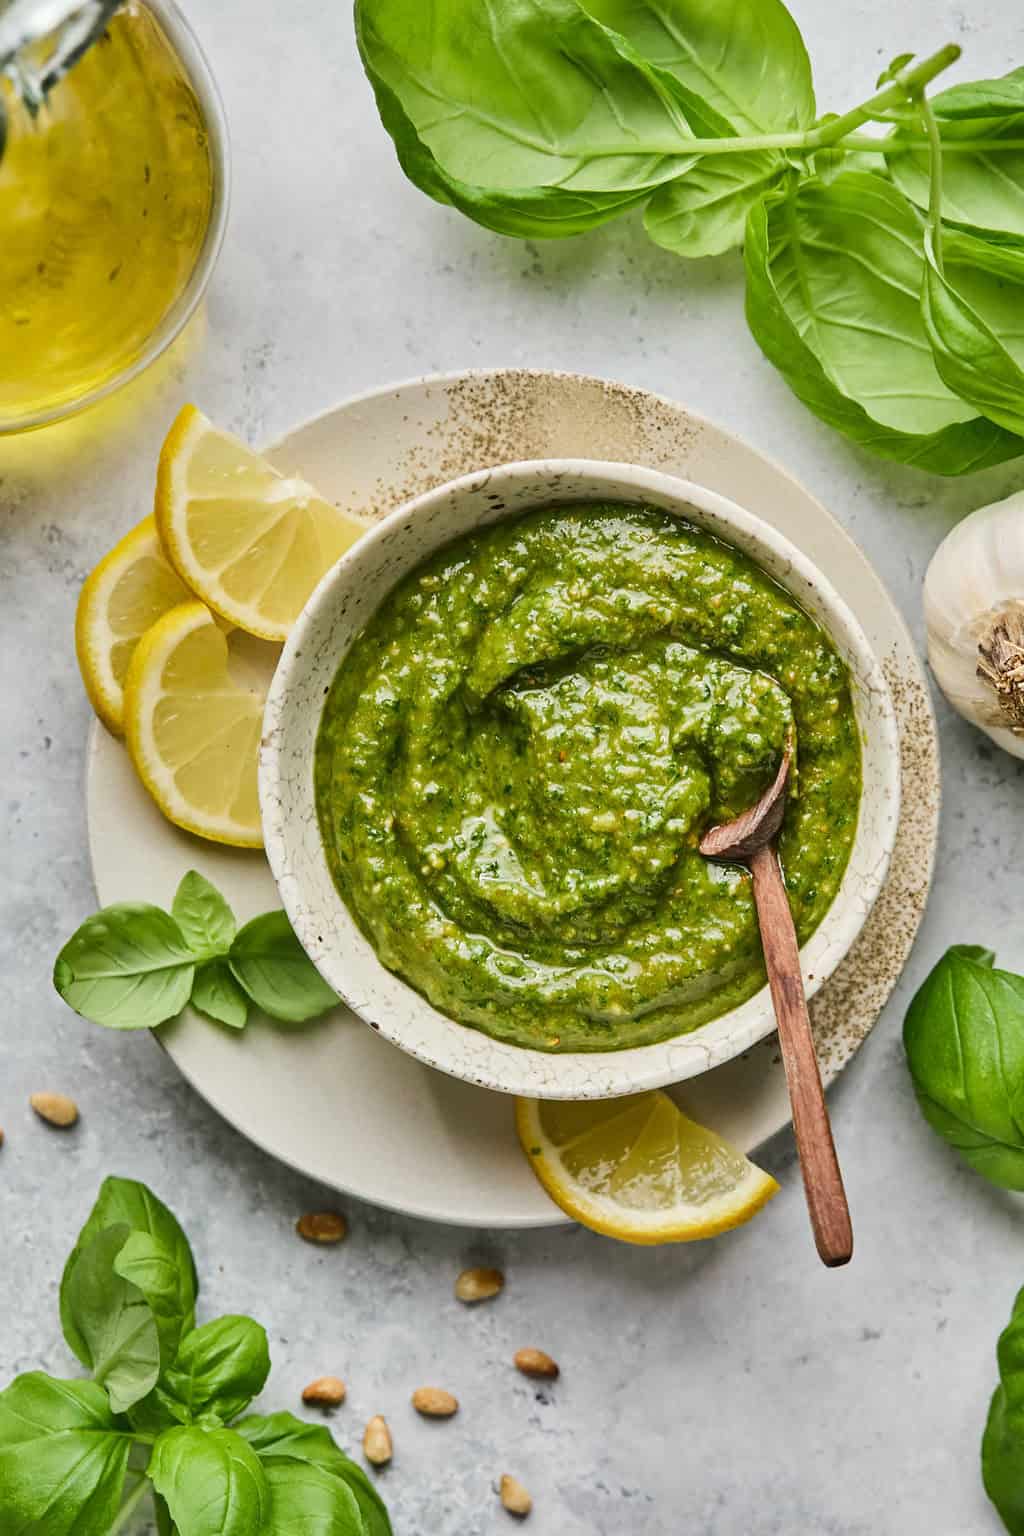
974	616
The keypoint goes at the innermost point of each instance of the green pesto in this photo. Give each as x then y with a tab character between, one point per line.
519	754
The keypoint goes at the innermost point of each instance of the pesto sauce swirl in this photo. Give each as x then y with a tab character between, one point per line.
521	750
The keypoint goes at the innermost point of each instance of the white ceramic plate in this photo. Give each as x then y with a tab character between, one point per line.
334	1099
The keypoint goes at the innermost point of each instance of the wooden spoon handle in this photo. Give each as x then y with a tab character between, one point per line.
823	1182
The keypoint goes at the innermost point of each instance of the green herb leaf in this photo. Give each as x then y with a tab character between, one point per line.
835	273
705	212
220	1368
62	1458
964	1039
124	1202
305	1498
127	1298
459	86
1002	97
893	68
982	188
282	1434
975	299
1002	1448
204	917
128	967
216	993
165	1280
211	1481
122	1347
270	964
158	1411
164	1523
744	59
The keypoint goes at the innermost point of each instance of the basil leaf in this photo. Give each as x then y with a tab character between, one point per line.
122	1347
127	967
967	307
129	1203
705	212
62	1458
220	1368
744	58
964	1039
158	1411
835	273
982	189
156	1270
164	1523
216	993
304	1498
211	1481
282	1434
892	69
127	1300
204	917
533	120
270	964
1002	1447
1002	97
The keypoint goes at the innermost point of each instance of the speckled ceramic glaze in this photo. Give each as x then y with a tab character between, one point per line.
335	615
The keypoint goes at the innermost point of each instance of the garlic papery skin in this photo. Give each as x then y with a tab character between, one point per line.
974	617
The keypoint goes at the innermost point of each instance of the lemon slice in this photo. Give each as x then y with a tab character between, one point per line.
251	542
127	592
193	712
639	1169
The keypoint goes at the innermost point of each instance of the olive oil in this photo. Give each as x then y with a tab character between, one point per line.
105	198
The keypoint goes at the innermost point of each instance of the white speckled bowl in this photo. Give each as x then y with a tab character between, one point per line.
337	611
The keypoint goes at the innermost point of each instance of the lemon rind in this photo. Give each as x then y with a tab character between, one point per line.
154	647
102	690
629	1226
190	422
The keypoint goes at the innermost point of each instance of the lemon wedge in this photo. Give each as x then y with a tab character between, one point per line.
251	542
127	592
639	1169
193	713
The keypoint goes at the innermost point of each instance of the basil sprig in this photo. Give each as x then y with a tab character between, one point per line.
156	1421
134	966
884	270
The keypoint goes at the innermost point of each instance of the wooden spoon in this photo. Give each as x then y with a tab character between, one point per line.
750	840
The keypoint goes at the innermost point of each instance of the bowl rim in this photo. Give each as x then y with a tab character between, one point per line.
498	1065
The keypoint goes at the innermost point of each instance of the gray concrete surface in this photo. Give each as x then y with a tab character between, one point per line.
733	1389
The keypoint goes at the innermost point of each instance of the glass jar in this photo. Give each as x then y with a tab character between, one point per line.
113	196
